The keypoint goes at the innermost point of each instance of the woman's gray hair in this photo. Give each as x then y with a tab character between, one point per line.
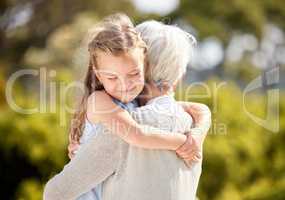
169	51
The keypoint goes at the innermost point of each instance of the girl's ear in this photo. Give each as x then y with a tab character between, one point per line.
97	78
96	72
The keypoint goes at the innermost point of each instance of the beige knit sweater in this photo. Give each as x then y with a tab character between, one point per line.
130	173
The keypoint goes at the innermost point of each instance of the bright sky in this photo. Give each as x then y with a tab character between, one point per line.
161	7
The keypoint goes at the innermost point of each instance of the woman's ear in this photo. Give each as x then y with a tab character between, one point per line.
166	85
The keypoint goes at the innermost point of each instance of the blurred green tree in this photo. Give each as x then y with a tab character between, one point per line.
241	159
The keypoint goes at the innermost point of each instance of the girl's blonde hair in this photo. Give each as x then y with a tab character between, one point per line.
115	34
170	49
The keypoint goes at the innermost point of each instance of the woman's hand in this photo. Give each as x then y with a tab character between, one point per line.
73	147
191	150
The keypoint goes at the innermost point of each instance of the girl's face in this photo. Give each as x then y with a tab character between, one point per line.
122	76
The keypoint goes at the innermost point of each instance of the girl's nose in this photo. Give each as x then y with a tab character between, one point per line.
125	85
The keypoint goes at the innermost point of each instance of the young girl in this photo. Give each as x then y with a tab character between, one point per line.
109	55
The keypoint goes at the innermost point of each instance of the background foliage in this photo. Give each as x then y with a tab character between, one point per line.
242	160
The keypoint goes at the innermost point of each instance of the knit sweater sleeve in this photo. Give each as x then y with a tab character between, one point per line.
94	162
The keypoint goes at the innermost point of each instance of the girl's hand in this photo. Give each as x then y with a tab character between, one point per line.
73	146
191	150
196	159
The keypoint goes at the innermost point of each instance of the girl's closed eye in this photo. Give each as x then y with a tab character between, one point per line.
109	76
136	73
112	78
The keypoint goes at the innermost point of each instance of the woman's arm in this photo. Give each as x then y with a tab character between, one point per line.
119	121
94	162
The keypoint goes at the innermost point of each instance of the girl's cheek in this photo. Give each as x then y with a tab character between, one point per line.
109	86
110	90
141	77
141	82
112	86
